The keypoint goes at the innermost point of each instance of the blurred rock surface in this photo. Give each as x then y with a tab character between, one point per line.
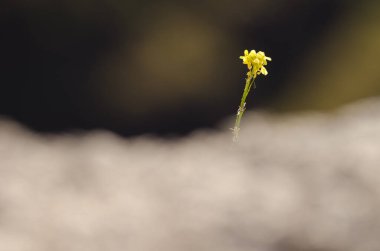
296	182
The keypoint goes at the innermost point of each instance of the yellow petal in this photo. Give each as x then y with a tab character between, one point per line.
264	71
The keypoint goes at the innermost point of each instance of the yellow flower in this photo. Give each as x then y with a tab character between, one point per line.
255	62
246	59
256	65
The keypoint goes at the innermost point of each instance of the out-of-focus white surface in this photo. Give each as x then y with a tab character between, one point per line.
296	182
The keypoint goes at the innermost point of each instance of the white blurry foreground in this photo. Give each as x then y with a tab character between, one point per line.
307	182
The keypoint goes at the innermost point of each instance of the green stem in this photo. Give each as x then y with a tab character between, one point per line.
248	84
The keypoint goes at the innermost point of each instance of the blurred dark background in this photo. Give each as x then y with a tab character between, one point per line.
169	67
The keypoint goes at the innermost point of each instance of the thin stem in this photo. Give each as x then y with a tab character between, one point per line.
248	84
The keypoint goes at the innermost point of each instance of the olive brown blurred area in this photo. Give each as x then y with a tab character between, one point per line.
171	67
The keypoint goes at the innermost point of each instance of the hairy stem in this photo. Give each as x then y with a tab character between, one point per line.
248	84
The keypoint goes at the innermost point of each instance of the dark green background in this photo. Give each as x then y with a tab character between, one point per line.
169	67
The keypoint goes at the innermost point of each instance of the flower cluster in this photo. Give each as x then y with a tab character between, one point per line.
255	63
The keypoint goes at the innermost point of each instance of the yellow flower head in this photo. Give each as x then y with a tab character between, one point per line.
255	62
